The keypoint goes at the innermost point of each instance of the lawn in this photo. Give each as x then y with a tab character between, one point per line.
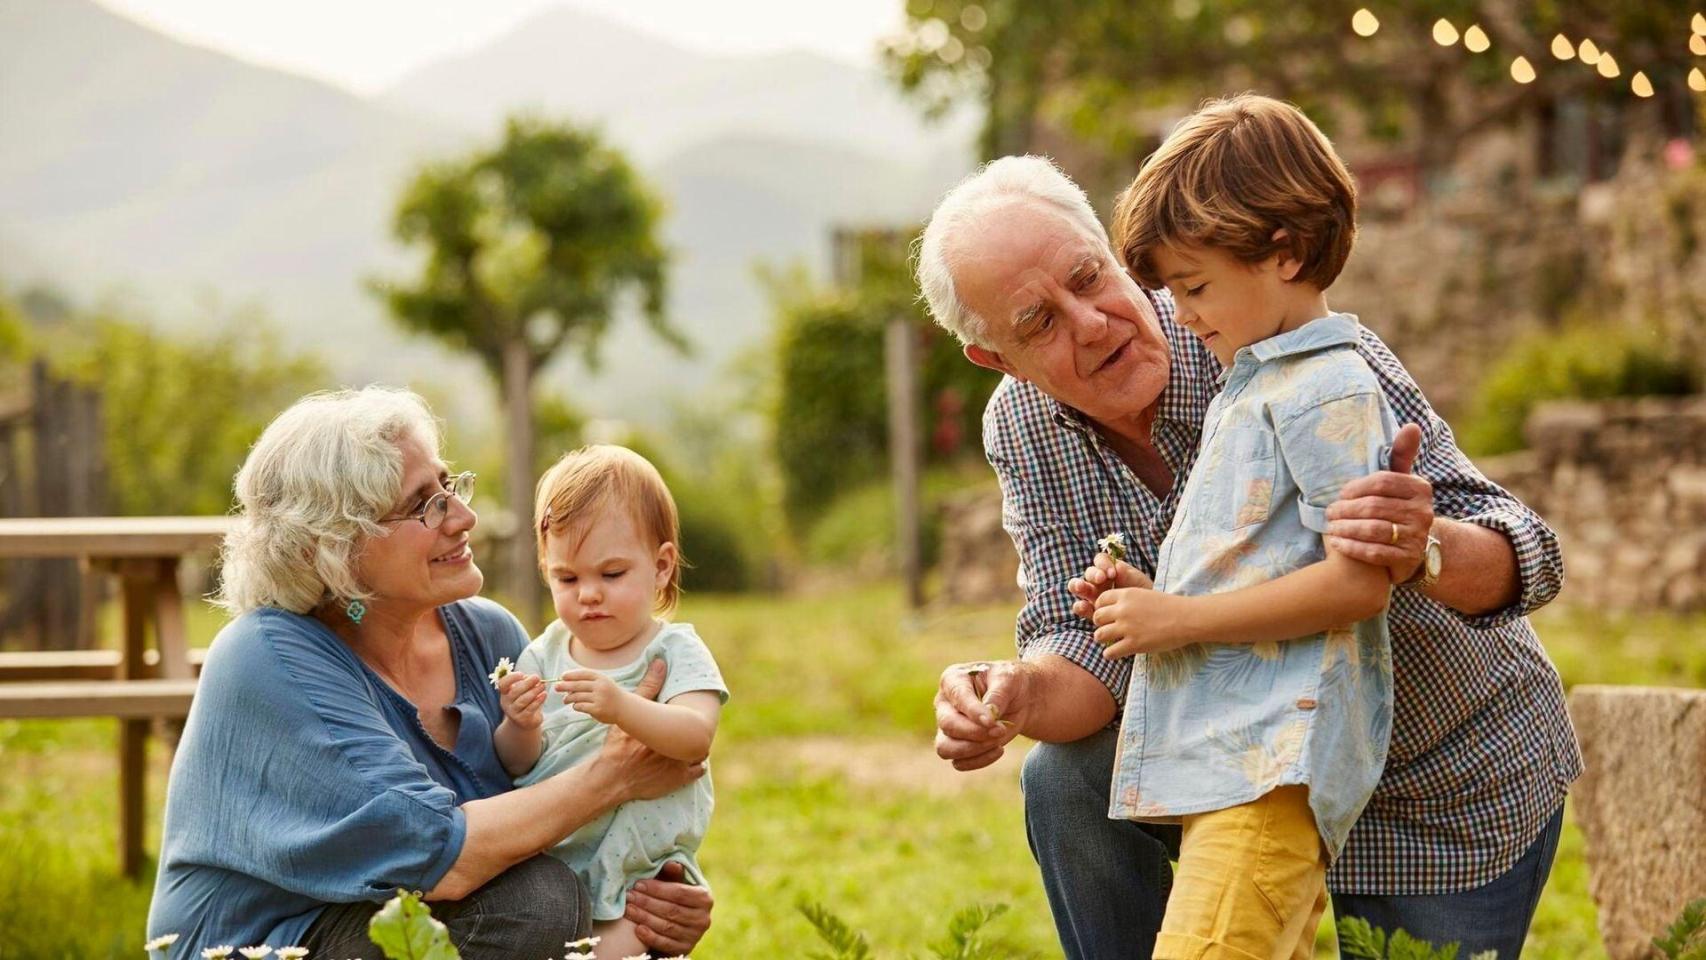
827	789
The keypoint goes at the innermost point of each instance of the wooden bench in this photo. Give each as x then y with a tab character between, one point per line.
125	699
80	664
136	703
141	683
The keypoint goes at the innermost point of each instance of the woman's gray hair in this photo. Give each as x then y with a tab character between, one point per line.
996	184
312	488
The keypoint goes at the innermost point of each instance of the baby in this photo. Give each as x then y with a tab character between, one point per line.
607	530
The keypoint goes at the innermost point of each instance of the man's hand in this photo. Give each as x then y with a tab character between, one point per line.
980	708
1384	518
1103	574
522	696
593	694
1132	620
670	917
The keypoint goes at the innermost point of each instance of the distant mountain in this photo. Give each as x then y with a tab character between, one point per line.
132	161
655	98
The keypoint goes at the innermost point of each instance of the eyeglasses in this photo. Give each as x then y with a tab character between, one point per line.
437	506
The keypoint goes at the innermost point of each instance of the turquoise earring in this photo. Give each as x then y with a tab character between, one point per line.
355	611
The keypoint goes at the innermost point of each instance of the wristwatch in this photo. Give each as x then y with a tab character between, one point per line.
1432	562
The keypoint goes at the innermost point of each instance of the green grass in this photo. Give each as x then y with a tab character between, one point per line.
826	788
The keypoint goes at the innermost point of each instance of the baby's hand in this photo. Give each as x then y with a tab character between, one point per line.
592	693
522	696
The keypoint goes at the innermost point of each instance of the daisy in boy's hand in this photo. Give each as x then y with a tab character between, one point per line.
503	669
522	696
592	693
1113	545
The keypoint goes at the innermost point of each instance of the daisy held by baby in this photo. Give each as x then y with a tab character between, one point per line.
607	532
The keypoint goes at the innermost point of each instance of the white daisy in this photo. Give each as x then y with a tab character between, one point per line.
218	953
1113	545
160	942
255	953
501	670
291	953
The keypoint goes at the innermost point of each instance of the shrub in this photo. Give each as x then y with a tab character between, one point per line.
1578	362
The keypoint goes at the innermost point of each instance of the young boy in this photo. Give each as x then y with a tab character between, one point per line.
1260	717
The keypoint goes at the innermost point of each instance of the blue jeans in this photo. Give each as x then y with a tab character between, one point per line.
1107	880
528	910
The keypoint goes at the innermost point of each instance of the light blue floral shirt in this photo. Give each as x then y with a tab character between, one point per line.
1210	726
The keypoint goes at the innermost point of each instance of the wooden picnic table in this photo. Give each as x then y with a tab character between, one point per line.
144	553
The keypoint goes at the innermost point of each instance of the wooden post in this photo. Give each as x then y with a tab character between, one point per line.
851	248
518	428
901	365
133	732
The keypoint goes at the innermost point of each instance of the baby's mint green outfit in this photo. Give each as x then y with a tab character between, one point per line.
635	840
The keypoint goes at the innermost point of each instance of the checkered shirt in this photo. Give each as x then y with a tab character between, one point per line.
1482	749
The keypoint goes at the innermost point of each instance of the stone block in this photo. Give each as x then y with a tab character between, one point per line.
1641	805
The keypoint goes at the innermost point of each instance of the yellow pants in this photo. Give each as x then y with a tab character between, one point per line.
1251	884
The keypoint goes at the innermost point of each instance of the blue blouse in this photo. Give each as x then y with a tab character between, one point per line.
303	779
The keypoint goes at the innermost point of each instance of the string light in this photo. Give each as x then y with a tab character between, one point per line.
1522	71
1697	45
1588	52
1608	66
1699	23
1444	33
1475	39
1562	48
1364	23
1697	80
1640	84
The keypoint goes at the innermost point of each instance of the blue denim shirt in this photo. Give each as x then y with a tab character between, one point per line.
1209	726
303	779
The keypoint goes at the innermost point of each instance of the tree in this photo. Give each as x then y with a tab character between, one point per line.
1107	71
532	247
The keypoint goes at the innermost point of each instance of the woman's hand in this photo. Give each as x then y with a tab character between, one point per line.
522	696
639	772
593	694
670	917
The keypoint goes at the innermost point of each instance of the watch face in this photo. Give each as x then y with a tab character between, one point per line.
1432	558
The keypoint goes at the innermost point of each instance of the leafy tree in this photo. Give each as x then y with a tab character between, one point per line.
1108	70
531	247
180	413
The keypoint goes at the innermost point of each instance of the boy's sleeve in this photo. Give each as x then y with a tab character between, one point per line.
1334	437
691	666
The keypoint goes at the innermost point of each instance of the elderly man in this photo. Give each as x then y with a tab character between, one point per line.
1093	431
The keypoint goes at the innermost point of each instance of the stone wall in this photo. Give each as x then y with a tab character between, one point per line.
1624	484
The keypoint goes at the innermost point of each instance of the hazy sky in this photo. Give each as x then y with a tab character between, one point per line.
364	45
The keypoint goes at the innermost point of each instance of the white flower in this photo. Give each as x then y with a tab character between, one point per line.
291	953
639	956
501	670
584	943
255	953
218	953
580	955
1113	545
160	942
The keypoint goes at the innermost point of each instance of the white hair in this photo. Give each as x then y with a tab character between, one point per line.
311	489
962	210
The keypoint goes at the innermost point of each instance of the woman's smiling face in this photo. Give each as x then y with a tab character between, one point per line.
411	565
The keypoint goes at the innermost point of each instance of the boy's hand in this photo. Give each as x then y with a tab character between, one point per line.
1102	575
1132	620
592	693
522	696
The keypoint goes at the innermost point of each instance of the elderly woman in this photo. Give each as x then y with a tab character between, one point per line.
340	745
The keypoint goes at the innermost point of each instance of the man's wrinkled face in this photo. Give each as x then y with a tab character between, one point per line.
1060	312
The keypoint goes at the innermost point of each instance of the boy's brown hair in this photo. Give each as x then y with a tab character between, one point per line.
604	477
1229	176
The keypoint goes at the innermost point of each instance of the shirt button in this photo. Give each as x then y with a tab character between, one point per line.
1306	703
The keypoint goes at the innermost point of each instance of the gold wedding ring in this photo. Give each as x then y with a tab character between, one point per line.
1394	534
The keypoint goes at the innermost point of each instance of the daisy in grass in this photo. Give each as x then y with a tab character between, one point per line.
160	943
